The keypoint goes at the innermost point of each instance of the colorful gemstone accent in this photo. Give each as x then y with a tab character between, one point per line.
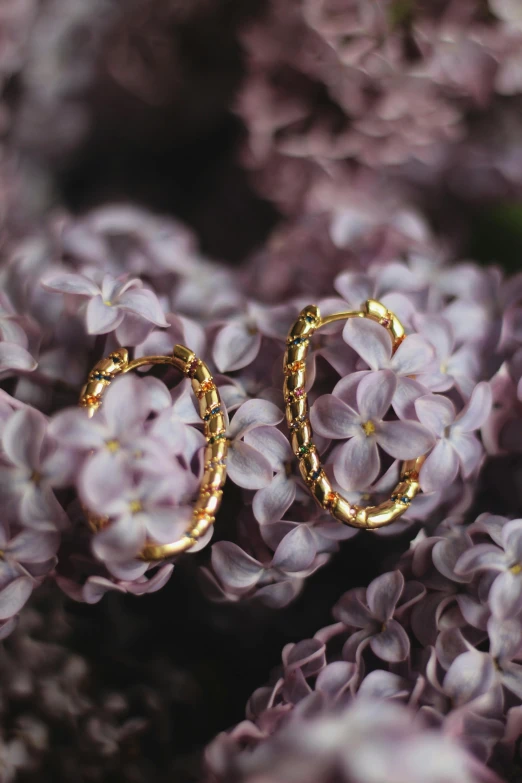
91	399
315	475
331	499
116	358
298	341
217	437
214	411
297	423
193	366
205	387
306	449
294	367
402	499
100	376
385	322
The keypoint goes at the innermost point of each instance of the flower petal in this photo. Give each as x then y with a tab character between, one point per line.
383	594
505	638
481	557
370	340
234	567
335	679
475	413
125	405
505	596
247	467
15	357
332	418
236	346
351	609
435	412
145	304
23	437
73	427
68	283
440	468
14	596
412	356
468	448
272	444
254	413
357	463
296	552
120	540
102	318
404	439
392	644
470	675
374	394
271	503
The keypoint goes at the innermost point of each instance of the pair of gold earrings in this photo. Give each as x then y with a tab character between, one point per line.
297	416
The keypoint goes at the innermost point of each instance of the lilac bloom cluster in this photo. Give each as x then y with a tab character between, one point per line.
400	88
441	634
369	740
121	276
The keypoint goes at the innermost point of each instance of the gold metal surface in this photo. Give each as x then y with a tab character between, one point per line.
301	435
212	415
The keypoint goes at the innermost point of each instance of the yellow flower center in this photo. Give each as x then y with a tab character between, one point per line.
516	569
36	477
112	445
135	506
369	428
107	302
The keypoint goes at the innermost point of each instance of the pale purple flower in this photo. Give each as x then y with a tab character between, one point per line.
121	305
457	448
247	466
15	348
276	579
503	557
374	345
95	587
238	342
117	430
271	502
451	366
32	467
149	507
126	238
357	463
371	611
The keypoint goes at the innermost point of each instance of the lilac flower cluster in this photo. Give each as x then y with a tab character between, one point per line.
401	88
352	109
122	277
442	634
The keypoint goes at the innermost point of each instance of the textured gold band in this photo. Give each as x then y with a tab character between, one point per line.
212	415
301	435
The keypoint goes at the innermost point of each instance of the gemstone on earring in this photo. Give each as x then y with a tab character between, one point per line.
217	437
294	367
316	474
193	366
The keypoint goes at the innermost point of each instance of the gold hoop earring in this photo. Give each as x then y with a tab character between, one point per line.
297	416
212	415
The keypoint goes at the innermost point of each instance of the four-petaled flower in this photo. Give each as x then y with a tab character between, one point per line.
118	304
356	410
457	446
